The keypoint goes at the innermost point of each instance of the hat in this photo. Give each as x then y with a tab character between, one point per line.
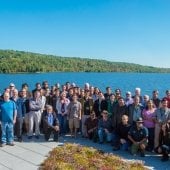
139	120
12	84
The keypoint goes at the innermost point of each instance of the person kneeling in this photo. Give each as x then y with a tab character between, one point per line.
105	128
138	135
91	126
165	133
120	136
51	124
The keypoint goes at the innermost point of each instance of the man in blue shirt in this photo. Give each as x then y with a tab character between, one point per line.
8	118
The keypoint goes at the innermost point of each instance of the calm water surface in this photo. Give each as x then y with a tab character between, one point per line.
125	81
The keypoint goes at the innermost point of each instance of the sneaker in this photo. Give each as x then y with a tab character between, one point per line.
37	137
46	139
2	144
11	144
134	154
56	140
164	159
115	148
20	140
29	137
142	154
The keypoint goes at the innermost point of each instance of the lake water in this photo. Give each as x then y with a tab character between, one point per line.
125	81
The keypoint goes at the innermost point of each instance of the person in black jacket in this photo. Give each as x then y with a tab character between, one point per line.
99	105
119	110
121	141
50	124
165	144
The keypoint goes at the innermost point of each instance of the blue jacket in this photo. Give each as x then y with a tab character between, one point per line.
7	110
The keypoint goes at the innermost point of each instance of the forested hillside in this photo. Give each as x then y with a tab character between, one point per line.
19	61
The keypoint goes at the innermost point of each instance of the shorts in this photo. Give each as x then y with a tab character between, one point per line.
74	123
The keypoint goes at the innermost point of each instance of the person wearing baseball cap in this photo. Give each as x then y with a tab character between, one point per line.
12	88
138	135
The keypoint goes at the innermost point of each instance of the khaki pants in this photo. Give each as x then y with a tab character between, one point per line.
34	117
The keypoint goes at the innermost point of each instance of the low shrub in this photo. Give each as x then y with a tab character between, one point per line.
77	157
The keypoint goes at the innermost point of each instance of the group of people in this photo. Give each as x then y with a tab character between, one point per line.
131	122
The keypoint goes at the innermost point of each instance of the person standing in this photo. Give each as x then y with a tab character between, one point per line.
155	98
61	106
87	107
8	118
135	110
99	105
55	98
167	97
35	104
21	111
138	94
74	115
119	111
149	122
162	115
108	93
111	105
11	89
128	98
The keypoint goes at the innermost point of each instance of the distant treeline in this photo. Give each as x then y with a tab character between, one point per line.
22	62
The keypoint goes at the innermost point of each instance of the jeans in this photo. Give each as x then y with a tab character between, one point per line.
103	135
7	132
0	133
63	123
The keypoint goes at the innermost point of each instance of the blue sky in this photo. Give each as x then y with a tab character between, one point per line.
135	31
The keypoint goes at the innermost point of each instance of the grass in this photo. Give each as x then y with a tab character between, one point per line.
77	157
